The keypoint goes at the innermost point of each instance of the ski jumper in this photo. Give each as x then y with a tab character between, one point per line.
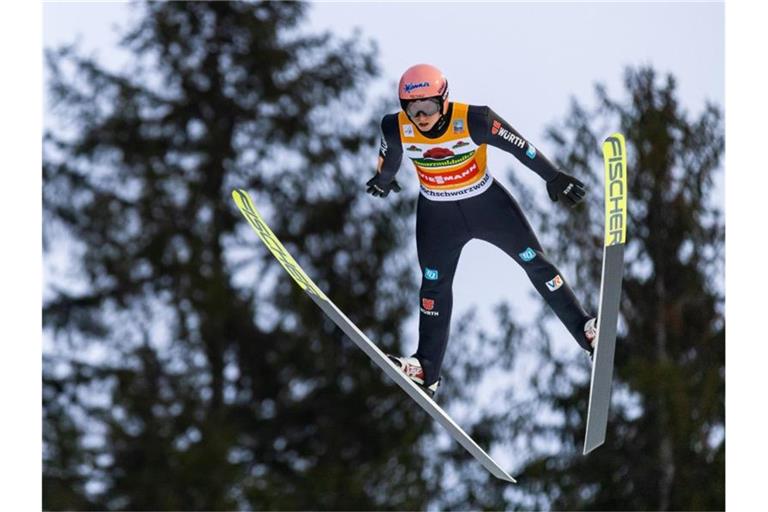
459	200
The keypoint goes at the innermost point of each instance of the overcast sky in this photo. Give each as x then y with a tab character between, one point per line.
524	60
503	55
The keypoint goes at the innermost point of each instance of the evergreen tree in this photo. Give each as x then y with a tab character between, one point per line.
183	370
665	447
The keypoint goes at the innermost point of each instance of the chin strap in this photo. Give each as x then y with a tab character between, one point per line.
440	124
439	127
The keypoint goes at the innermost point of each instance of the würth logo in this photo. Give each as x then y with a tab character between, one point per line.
428	306
497	129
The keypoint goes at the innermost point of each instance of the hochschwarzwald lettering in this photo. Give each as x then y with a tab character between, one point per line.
455	193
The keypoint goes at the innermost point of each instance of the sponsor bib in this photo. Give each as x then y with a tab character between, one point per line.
450	167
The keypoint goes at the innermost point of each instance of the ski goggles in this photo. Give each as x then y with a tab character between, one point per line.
428	107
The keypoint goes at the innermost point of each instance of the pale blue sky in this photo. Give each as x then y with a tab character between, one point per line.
525	60
573	50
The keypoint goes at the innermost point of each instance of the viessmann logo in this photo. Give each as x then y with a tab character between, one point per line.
616	205
472	170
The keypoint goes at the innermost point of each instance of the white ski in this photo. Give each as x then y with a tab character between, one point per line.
244	203
615	157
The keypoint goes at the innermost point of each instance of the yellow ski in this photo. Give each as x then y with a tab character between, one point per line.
244	203
615	158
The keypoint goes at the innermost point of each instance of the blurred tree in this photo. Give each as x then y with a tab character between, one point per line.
665	447
183	369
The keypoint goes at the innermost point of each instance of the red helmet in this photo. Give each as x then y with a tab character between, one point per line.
423	81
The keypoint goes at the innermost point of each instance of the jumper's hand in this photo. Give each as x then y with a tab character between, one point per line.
377	188
567	188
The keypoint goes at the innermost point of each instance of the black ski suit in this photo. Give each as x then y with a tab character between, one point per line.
460	201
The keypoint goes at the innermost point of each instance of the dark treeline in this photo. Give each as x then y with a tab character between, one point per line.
186	372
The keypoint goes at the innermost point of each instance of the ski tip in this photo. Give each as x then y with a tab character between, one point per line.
242	199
